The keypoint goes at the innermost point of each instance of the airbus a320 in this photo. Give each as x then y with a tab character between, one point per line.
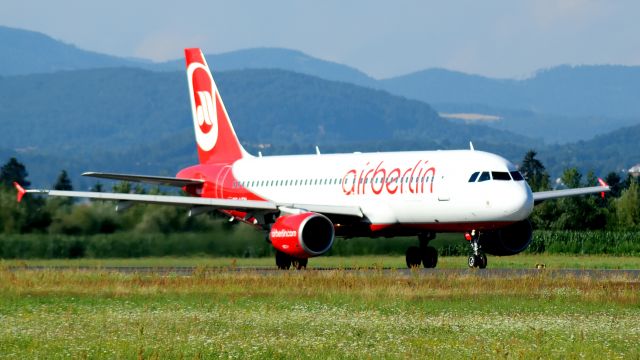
303	202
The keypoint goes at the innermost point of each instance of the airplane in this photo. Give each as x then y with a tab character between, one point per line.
303	202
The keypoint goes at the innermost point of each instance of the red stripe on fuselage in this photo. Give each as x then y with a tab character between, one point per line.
219	183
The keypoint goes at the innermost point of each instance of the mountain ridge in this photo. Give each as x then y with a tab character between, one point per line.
123	111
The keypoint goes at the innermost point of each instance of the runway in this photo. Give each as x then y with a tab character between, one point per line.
631	274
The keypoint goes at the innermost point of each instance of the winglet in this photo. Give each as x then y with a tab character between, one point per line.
604	184
21	191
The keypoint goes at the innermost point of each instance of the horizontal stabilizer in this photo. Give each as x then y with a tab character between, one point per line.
157	180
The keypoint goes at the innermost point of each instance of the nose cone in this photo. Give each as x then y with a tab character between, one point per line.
516	201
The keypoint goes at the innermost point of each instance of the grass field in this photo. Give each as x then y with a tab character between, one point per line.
521	261
316	314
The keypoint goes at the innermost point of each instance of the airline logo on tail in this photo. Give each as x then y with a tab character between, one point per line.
206	109
216	140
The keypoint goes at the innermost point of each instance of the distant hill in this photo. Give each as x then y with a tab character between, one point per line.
277	58
604	93
551	128
63	107
615	151
129	116
581	91
29	52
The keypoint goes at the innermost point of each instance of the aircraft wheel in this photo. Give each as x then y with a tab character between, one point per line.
429	257
472	261
413	256
300	263
482	263
283	261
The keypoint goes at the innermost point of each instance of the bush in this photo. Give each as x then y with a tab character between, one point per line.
585	242
246	242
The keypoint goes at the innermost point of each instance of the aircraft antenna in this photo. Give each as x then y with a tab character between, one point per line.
471	146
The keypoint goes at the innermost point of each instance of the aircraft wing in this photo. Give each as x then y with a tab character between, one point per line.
157	180
187	201
555	194
229	204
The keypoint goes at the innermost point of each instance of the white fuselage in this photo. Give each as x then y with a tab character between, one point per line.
421	187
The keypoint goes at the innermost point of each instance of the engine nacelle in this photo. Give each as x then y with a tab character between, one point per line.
510	240
303	235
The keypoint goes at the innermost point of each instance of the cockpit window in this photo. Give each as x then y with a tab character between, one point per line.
474	176
485	176
517	176
499	175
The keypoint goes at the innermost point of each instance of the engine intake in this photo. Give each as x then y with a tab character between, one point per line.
510	240
304	235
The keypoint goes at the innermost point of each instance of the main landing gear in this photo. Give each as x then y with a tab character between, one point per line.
284	261
477	258
425	254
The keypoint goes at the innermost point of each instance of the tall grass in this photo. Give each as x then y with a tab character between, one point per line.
316	315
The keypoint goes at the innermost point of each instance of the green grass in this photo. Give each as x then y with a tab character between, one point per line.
521	261
316	315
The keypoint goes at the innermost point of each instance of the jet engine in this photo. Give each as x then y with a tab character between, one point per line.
509	240
303	235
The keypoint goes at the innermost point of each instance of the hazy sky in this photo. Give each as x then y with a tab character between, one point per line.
501	38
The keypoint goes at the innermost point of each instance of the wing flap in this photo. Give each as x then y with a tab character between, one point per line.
156	180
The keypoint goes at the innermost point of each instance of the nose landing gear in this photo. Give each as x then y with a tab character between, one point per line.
477	258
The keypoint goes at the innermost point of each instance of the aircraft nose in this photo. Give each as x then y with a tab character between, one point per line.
518	202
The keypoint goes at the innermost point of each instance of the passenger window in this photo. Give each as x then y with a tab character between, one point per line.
517	176
500	175
485	176
474	176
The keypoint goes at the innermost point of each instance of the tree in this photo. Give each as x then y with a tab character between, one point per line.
534	172
63	182
571	178
14	171
572	213
615	182
122	187
580	212
97	187
627	207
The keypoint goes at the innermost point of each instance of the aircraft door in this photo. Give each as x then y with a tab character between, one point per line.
443	188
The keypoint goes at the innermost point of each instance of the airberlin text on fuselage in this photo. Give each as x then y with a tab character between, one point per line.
378	179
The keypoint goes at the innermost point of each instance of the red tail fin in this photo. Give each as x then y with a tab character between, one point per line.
216	139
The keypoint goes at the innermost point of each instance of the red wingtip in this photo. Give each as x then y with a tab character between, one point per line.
21	191
602	183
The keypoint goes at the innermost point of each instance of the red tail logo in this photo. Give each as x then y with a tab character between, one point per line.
217	142
206	116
